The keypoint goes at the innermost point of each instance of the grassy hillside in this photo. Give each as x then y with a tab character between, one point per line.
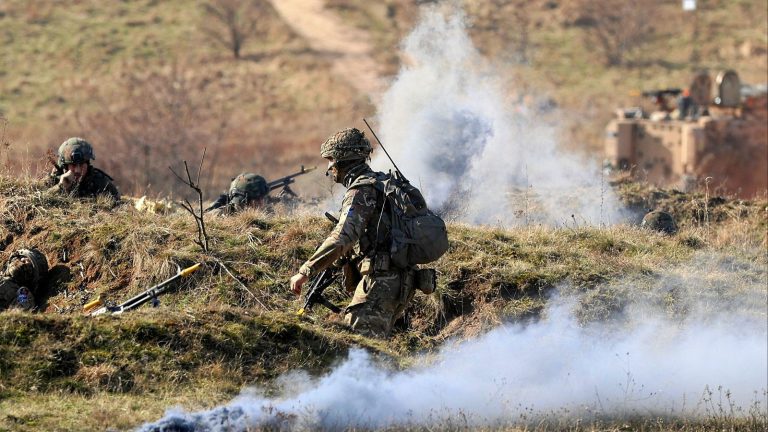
141	81
60	370
115	73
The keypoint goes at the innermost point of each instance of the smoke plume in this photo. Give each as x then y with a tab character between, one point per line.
478	156
704	351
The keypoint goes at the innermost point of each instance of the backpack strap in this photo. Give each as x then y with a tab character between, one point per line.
368	179
376	180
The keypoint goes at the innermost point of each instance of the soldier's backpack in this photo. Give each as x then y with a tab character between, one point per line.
418	235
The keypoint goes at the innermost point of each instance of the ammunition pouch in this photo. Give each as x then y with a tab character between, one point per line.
350	277
426	280
378	264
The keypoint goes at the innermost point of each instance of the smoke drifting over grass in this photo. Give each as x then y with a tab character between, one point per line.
474	153
651	358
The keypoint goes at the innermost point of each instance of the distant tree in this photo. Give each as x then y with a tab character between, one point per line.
616	28
152	119
230	23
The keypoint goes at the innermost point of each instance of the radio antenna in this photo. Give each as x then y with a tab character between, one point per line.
382	147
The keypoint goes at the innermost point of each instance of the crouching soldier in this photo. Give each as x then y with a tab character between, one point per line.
75	175
20	280
382	279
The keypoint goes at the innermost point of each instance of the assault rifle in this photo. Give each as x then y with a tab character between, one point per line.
140	299
314	294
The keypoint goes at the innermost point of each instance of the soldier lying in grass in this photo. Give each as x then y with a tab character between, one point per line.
74	174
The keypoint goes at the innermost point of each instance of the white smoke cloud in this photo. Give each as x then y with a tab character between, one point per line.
449	125
649	362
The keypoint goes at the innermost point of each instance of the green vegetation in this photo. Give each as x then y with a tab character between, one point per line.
60	370
92	67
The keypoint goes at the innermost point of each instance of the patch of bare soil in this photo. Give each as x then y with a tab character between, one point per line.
350	49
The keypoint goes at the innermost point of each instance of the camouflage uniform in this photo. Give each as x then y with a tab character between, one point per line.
21	278
382	291
95	182
246	189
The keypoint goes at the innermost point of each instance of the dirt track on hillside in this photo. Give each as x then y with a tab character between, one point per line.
349	48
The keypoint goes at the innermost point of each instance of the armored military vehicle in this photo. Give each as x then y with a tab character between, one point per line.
714	132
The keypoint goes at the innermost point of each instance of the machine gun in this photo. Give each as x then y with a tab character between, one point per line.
97	307
284	182
660	97
662	92
314	294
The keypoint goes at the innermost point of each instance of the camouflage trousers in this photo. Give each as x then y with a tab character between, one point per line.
379	300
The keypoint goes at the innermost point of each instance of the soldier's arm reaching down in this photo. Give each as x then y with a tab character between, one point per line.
358	207
357	210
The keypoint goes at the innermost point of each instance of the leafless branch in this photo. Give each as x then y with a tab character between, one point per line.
202	235
231	23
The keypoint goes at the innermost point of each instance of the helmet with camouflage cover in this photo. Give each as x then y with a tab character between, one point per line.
660	221
248	186
348	144
27	267
75	150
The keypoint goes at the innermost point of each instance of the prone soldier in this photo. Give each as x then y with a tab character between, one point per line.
660	221
251	190
20	279
246	190
74	174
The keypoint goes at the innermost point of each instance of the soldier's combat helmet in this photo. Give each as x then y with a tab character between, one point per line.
75	150
348	144
659	221
247	187
27	266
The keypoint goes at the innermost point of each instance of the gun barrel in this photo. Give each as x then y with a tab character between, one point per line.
289	179
331	218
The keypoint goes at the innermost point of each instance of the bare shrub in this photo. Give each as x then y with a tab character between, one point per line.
616	28
150	121
230	23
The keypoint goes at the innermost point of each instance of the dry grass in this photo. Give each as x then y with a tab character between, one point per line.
210	336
